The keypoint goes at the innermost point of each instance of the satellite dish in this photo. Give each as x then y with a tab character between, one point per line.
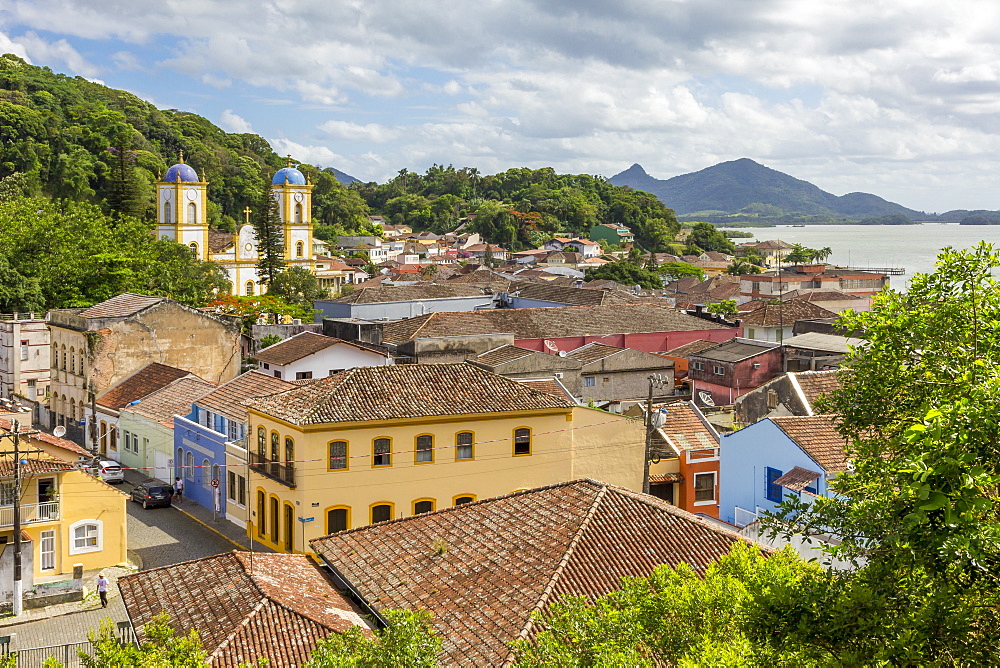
551	346
59	431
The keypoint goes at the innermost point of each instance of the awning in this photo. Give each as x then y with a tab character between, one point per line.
798	479
664	478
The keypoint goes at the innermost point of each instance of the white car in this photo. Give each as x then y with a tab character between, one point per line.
106	469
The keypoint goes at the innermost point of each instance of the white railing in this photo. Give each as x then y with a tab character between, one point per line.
30	513
742	517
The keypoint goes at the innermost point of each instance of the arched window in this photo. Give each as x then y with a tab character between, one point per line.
189	466
274	519
179	464
465	498
338	455
203	472
63	367
194	248
381	512
289	453
421	506
338	519
72	359
299	249
289	526
275	447
463	445
192	214
261	442
261	518
522	441
166	213
249	289
72	410
298	214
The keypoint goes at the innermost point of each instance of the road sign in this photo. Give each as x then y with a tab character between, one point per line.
215	482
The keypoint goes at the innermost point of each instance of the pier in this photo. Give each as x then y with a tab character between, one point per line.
891	271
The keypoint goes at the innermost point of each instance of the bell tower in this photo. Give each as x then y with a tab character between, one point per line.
182	208
293	193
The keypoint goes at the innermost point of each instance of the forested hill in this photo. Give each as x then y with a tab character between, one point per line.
73	139
746	187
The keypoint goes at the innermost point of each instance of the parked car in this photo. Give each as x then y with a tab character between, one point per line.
106	469
152	494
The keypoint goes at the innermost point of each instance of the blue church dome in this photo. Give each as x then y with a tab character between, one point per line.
185	172
293	176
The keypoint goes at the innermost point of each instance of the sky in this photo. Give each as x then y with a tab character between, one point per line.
894	97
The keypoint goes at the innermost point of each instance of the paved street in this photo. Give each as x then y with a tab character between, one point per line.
159	537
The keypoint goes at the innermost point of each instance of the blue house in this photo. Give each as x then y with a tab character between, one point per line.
775	458
200	438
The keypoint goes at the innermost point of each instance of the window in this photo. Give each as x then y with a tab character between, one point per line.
47	550
233	429
203	473
7	493
192	214
298	218
755	286
718	370
267	367
751	333
248	289
189	466
463	445
772	399
698	366
589	381
260	513
382	452
303	375
231	486
24	350
194	248
522	441
462	500
261	442
274	519
277	374
241	493
299	246
166	213
86	536
381	512
338	455
337	519
772	492
704	488
289	453
425	449
275	447
423	506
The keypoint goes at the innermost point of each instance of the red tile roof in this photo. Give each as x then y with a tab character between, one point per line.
50	439
482	568
798	479
415	389
686	429
143	382
244	607
815	384
33	467
572	295
689	349
818	437
774	315
174	399
229	399
120	306
549	386
301	346
219	241
385	294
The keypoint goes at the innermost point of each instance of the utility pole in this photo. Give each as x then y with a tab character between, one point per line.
15	434
655	380
92	395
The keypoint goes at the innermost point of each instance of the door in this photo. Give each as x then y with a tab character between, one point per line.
162	464
289	527
47	551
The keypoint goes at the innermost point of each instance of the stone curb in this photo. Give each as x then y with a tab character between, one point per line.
210	528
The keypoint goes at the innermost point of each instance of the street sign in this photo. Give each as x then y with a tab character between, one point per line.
215	482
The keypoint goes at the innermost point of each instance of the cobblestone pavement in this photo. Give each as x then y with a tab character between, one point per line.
157	537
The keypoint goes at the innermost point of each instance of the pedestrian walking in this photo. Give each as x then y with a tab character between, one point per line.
102	589
178	489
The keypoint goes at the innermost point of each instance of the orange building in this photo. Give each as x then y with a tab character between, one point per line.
687	473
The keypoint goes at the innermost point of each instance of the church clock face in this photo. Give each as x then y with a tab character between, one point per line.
298	197
192	194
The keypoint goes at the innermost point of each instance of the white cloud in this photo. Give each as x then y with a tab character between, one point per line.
232	122
370	132
321	156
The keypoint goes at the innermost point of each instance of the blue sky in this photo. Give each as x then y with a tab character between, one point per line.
898	98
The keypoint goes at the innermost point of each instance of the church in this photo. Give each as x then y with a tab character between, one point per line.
182	215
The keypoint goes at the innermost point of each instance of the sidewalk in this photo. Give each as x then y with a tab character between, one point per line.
91	601
204	516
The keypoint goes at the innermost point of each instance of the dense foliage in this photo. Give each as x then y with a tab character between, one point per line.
407	641
63	254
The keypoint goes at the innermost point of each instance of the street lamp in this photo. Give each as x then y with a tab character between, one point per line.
655	380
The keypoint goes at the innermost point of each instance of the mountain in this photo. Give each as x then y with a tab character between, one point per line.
746	187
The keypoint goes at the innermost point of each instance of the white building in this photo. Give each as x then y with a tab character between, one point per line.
24	356
310	356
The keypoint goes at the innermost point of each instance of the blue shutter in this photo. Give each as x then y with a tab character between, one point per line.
772	492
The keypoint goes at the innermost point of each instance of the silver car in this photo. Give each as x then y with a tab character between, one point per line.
107	470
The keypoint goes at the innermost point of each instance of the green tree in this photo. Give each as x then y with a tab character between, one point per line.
726	308
677	270
270	237
742	267
163	647
297	286
626	273
408	640
707	238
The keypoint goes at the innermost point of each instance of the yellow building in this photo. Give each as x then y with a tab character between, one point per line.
376	443
68	516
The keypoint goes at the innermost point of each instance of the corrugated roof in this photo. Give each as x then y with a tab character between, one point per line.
548	322
818	437
244	607
482	568
830	343
229	399
143	382
403	391
120	306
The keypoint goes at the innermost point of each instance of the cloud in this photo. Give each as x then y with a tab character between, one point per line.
35	49
321	156
231	122
370	132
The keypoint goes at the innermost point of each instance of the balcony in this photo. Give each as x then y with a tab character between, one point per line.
285	474
31	513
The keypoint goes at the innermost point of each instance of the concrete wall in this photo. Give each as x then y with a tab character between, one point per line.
401	310
753	406
449	349
16	372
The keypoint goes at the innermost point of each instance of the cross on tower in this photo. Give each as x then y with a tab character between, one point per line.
246	214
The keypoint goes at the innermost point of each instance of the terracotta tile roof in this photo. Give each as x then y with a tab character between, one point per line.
549	386
828	343
798	479
572	295
120	306
773	315
691	348
219	241
593	352
274	606
504	355
548	322
33	467
415	390
686	429
816	383
665	478
229	399
733	351
174	399
404	293
50	439
300	346
481	568
143	382
822	294
772	244
818	437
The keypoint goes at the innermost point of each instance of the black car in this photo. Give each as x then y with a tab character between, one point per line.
152	494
